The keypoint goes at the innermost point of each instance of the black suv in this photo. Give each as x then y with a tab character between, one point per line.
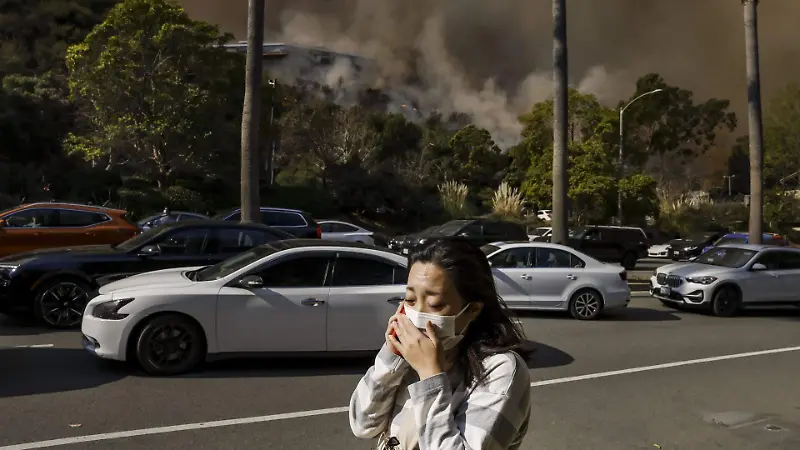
294	221
624	245
479	231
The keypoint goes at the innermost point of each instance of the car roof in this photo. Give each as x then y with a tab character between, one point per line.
754	247
272	208
516	244
323	244
210	223
66	205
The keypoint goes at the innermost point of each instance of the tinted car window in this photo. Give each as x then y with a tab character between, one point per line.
551	258
514	258
494	229
790	260
326	227
350	271
184	242
471	230
295	273
282	219
235	240
32	218
343	228
70	218
400	275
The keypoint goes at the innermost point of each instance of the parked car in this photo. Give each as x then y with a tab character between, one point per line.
730	277
744	238
296	296
545	215
156	220
658	241
479	231
624	245
541	234
46	225
693	244
55	284
299	223
337	230
544	276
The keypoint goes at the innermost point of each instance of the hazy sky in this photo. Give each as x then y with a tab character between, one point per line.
492	59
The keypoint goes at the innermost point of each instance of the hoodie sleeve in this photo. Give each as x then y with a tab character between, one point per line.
373	400
493	416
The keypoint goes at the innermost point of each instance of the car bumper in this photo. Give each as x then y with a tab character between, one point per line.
685	294
658	254
617	298
106	338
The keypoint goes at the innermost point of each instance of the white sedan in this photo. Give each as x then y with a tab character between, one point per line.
336	230
544	276
297	296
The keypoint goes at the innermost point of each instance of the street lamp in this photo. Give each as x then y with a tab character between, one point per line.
729	177
272	137
621	146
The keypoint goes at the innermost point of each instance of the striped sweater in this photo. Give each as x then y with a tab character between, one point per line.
448	414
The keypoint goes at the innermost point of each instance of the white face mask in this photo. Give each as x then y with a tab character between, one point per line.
445	325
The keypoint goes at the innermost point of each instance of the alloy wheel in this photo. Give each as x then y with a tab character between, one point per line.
170	345
586	305
63	304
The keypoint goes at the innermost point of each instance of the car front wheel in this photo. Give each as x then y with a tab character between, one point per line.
725	302
170	344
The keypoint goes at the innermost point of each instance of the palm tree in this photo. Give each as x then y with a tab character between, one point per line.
559	216
754	113
251	111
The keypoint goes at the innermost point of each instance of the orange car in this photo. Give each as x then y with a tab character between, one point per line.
46	225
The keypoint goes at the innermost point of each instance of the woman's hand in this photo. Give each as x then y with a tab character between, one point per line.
423	353
390	329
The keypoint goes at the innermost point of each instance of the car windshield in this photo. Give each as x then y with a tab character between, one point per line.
731	240
726	257
223	215
699	237
577	232
540	231
139	239
231	265
450	228
488	249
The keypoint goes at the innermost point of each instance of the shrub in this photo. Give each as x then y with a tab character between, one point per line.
453	197
507	202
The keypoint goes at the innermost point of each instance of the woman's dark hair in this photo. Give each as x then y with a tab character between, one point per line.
493	331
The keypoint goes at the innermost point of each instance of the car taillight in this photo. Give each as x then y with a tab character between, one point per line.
319	232
624	275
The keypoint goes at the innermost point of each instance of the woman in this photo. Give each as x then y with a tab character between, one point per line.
447	376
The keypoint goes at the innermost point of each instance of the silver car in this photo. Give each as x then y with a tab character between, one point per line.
730	277
544	276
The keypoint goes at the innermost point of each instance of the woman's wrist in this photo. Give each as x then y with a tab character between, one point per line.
428	372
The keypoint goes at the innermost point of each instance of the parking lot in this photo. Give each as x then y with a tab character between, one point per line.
644	378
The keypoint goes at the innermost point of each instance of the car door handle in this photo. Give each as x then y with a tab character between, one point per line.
526	277
394	300
312	302
571	277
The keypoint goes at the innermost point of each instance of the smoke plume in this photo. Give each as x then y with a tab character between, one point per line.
492	59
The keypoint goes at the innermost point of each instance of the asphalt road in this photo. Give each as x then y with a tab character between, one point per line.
745	401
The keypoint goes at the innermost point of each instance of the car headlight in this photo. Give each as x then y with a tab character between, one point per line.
702	280
110	310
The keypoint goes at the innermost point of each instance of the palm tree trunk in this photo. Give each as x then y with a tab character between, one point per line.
560	122
251	111
754	113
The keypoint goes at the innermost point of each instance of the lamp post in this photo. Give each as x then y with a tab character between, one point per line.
272	136
729	177
622	145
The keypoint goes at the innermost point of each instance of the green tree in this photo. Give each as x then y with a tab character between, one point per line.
782	138
671	126
151	86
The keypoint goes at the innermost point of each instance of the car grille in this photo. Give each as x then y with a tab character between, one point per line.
669	280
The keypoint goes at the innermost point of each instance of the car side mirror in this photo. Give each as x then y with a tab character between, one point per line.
758	266
150	250
251	282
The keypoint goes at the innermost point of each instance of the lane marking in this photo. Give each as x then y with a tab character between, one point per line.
30	346
343	409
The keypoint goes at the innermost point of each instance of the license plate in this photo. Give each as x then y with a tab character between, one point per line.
405	251
664	290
